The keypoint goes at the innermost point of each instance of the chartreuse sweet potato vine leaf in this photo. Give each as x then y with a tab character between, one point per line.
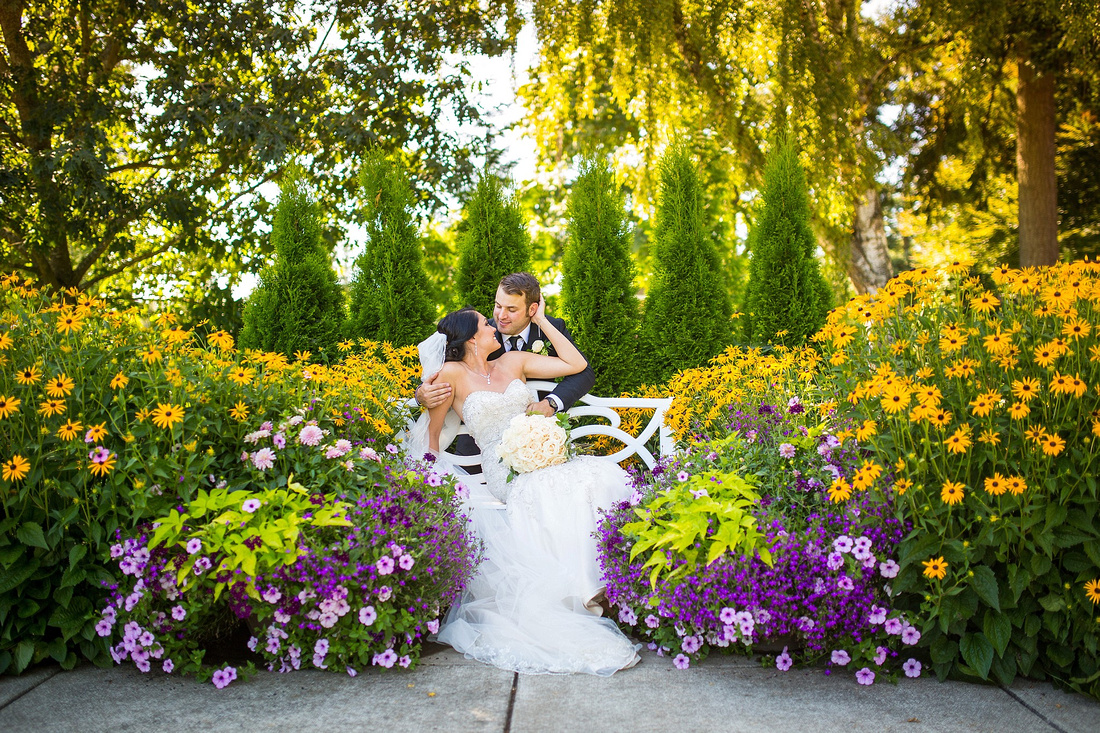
699	520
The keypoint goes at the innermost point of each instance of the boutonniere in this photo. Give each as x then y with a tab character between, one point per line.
540	347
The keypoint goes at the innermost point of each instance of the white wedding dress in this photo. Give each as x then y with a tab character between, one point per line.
530	608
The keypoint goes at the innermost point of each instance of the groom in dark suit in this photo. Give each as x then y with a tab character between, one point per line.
517	300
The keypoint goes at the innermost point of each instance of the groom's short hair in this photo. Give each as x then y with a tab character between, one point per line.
522	283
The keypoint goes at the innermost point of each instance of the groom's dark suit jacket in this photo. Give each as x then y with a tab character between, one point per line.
569	389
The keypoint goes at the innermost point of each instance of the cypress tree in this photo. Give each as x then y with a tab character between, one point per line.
598	280
687	309
389	295
492	243
787	297
298	305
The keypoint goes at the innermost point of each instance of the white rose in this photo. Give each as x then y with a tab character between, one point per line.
538	345
531	442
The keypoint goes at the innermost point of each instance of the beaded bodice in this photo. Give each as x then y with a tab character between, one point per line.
486	415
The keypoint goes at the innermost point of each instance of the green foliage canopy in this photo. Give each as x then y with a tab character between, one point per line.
137	130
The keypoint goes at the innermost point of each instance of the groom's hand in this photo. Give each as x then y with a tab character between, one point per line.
431	393
543	408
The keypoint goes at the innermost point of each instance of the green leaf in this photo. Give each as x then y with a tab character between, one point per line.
943	650
76	554
14	577
1053	603
977	652
31	534
998	629
984	584
1018	580
23	653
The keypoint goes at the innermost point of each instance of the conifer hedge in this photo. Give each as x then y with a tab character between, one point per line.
492	242
687	309
389	295
298	305
598	283
787	297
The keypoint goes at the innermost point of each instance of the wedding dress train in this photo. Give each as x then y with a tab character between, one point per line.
530	607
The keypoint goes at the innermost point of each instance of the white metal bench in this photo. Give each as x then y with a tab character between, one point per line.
602	407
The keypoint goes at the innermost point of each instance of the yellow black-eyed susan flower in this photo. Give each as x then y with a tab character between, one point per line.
49	408
995	484
28	376
119	381
60	386
15	469
1015	485
70	430
935	567
166	415
952	492
8	406
1092	591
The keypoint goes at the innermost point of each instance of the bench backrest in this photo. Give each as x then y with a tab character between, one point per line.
605	407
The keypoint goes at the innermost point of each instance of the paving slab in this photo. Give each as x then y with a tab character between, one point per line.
1068	711
447	693
718	695
12	688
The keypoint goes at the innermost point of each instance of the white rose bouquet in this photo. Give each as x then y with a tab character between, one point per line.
531	442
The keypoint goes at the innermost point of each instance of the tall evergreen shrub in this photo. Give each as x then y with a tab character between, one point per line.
389	295
492	242
787	297
687	309
298	305
598	282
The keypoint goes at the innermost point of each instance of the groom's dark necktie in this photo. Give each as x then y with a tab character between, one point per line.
513	342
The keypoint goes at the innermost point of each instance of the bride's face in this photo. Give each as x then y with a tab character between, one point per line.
485	338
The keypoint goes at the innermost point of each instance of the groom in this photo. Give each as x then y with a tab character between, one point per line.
517	300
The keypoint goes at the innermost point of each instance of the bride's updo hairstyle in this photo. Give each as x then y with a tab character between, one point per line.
459	327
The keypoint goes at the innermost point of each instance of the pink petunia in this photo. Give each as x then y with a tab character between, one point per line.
368	615
681	662
865	676
840	657
912	668
250	505
384	565
783	662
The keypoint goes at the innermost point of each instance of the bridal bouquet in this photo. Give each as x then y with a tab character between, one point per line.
531	442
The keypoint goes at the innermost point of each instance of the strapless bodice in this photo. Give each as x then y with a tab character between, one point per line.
488	413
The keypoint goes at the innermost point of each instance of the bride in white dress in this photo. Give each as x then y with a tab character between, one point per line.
533	605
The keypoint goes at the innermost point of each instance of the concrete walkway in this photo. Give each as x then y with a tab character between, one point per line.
450	693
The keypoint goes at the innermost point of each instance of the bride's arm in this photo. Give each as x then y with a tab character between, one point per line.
436	416
568	361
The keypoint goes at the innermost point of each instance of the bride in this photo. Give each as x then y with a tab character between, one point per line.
533	605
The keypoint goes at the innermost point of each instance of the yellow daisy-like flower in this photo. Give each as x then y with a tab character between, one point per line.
989	437
940	418
1045	356
69	323
1061	384
70	430
896	400
996	485
49	408
119	381
165	416
103	467
983	404
952	492
15	469
28	376
1096	428
902	485
1019	410
1053	445
959	441
96	433
998	343
1036	434
935	567
1026	388
1078	386
5	341
239	412
346	345
868	429
840	491
1092	591
985	303
221	339
924	372
1015	485
838	358
8	406
60	386
150	355
929	394
1077	328
1094	352
242	375
302	355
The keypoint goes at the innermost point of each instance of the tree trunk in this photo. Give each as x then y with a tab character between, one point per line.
1035	153
869	262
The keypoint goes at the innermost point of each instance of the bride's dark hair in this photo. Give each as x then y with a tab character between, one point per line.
459	327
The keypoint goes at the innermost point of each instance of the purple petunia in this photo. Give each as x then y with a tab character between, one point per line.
691	644
910	635
368	615
912	668
894	626
783	662
888	569
840	657
250	506
384	565
681	661
880	655
168	666
194	545
683	476
865	676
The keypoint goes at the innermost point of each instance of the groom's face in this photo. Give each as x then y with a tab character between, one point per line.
512	313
